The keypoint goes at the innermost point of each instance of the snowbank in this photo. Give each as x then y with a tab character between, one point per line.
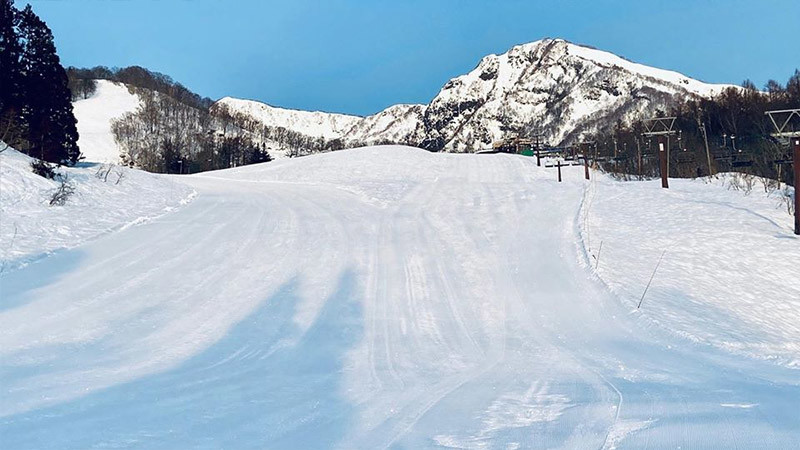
30	228
729	274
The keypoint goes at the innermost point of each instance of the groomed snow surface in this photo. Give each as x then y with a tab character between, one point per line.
390	297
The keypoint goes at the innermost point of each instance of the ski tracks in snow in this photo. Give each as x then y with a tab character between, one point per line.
483	326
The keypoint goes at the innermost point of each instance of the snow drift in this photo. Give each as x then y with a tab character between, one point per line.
31	229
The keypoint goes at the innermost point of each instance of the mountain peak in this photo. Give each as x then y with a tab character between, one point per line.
552	85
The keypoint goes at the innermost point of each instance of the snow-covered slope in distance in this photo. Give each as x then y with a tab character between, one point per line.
554	86
310	123
94	115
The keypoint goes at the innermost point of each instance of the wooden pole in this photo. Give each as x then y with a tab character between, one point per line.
668	156
662	156
559	171
639	153
538	159
708	152
586	166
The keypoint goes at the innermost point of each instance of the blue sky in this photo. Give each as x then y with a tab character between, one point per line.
361	56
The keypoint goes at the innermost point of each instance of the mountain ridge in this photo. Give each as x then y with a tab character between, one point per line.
552	87
559	88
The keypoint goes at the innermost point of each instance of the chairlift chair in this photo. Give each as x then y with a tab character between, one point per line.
741	159
722	154
686	157
783	160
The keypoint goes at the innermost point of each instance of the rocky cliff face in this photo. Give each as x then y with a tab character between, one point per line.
553	87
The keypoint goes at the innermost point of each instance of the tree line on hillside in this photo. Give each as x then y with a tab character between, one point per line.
35	101
83	83
166	135
733	123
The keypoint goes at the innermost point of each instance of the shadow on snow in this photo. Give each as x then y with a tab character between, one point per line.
266	383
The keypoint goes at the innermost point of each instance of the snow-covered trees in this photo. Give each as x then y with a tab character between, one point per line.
35	101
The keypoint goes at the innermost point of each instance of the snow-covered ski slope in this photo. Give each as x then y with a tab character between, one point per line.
95	114
390	297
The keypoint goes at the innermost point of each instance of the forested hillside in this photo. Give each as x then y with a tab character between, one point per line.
729	130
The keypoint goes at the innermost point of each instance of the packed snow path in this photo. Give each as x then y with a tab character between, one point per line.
373	298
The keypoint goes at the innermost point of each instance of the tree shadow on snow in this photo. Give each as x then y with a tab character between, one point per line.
266	384
22	276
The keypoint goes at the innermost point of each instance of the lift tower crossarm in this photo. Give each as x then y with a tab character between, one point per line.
661	127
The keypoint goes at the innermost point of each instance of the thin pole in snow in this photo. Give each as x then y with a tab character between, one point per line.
597	262
651	279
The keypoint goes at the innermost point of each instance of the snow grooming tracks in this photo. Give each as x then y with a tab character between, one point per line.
371	298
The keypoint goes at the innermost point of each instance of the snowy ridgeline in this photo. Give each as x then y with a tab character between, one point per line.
30	228
563	89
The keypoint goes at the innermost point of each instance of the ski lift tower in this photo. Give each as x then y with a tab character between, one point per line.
661	127
787	126
584	148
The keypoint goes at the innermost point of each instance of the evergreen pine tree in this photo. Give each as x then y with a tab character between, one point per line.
47	109
11	84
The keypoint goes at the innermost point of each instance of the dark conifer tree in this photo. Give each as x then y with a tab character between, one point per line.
11	83
47	108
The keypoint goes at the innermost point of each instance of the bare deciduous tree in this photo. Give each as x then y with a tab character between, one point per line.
63	192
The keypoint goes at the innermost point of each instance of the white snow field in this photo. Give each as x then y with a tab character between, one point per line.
389	297
94	115
31	229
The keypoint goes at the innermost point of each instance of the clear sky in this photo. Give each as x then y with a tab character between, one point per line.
361	56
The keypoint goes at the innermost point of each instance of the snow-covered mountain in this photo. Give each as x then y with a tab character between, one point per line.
554	86
311	123
557	88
